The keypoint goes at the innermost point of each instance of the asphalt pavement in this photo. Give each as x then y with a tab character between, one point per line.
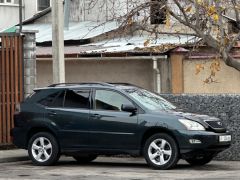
14	164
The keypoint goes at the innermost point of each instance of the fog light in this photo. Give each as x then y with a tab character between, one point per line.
195	141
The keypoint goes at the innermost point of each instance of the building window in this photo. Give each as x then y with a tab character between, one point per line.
9	1
43	4
158	11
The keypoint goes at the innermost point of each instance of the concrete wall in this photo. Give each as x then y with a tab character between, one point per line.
227	79
30	8
8	16
138	72
224	106
9	13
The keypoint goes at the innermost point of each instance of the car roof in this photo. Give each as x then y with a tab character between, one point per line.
89	85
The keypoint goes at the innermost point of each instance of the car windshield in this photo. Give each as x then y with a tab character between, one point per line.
150	100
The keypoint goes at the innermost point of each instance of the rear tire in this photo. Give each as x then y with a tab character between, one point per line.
43	149
83	159
161	151
200	161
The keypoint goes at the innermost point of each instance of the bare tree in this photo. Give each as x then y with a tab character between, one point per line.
208	22
206	19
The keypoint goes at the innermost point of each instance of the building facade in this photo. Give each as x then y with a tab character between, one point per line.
9	11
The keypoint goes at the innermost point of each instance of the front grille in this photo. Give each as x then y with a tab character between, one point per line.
217	126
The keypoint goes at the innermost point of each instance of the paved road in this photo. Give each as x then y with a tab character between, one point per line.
117	168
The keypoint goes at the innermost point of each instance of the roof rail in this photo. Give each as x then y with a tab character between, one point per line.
121	83
84	83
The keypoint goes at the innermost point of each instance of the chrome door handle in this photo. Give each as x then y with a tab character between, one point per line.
95	116
52	113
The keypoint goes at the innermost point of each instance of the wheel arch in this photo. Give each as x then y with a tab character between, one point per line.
154	130
35	130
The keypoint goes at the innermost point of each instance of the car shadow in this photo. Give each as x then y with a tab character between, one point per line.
136	164
143	165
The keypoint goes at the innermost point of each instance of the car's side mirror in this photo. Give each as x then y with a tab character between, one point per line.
129	108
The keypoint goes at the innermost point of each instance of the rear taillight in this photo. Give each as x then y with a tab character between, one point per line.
18	108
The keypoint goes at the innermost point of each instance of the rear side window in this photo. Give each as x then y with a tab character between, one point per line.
77	99
58	101
47	101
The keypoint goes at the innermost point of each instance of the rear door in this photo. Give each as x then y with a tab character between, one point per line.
70	113
110	127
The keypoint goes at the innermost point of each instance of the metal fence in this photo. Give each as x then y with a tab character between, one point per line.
11	81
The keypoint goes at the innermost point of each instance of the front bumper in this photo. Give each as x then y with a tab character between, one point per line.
209	142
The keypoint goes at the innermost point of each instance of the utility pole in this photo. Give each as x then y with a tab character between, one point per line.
58	42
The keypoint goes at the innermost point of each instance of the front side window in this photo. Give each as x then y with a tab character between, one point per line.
77	99
109	100
43	4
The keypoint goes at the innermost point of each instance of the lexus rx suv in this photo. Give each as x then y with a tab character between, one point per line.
85	120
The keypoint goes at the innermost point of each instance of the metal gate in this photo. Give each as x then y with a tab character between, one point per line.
11	81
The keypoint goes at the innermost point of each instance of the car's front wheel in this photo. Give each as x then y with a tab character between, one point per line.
200	161
43	149
84	158
161	151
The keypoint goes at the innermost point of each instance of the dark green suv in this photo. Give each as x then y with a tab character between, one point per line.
89	119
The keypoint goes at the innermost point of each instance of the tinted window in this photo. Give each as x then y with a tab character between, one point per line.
58	101
49	99
109	100
77	99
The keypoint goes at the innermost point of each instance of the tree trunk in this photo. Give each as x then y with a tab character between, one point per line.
230	61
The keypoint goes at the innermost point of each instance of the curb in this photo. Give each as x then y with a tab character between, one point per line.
14	159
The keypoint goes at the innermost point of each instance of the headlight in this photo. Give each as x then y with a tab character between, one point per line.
192	125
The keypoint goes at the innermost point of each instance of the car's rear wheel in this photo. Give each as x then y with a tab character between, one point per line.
85	158
161	151
200	161
43	149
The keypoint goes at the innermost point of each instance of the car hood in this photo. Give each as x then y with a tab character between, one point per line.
193	116
185	115
209	122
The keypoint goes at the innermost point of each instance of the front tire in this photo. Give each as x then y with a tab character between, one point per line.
43	149
200	161
161	151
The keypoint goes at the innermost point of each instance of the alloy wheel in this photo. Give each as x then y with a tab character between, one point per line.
159	151
41	149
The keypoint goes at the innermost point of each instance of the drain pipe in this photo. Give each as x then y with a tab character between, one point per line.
157	78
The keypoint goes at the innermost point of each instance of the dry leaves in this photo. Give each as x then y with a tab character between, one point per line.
199	68
214	68
160	49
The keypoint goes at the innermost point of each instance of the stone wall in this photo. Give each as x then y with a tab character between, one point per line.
224	106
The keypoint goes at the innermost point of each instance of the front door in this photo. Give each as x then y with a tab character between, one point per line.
112	128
